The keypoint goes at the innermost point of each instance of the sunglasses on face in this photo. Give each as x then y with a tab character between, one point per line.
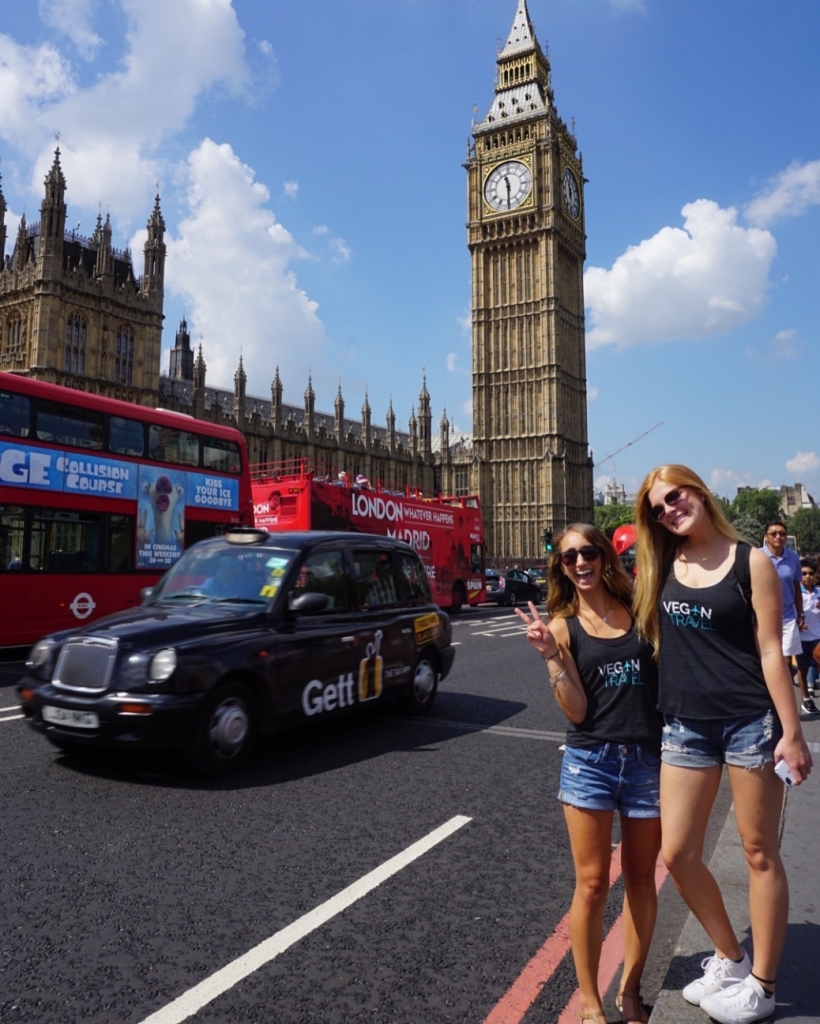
776	534
590	553
657	512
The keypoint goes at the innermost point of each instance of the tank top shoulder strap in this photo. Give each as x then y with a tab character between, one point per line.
574	635
743	572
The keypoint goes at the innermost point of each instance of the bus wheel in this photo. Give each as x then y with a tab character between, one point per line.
225	733
423	690
459	598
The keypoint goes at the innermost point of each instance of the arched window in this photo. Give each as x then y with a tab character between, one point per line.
75	333
124	356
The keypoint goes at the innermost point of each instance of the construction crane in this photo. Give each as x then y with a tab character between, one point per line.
629	444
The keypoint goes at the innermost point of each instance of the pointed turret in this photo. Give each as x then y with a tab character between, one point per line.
240	379
425	419
339	406
105	255
182	357
523	84
199	384
52	221
444	436
2	225
18	259
366	432
414	434
391	427
276	401
153	277
310	407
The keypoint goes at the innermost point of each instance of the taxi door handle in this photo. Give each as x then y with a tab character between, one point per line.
407	631
348	639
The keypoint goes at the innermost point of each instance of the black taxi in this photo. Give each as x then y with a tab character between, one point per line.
247	634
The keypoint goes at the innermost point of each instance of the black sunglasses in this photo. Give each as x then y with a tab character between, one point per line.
657	512
591	553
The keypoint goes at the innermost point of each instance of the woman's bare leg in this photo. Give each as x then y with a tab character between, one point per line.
641	843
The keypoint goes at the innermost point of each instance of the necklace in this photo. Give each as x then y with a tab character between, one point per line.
607	609
704	558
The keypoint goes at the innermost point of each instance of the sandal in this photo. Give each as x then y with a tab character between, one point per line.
595	1015
634	1014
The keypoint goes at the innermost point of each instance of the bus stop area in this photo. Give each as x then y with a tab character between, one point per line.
798	979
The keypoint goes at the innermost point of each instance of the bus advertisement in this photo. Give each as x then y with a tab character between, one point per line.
447	532
98	498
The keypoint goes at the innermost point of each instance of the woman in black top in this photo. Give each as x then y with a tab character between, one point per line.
711	607
603	677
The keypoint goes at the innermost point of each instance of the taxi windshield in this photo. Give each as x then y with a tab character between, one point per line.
238	575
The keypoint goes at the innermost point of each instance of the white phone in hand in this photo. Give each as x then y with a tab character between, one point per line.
783	772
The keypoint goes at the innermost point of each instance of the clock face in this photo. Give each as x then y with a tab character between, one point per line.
572	197
508	185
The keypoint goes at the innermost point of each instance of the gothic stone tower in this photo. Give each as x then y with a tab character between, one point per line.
71	309
527	242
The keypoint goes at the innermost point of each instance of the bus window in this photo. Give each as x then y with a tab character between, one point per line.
65	541
15	414
125	437
477	557
220	456
80	428
119	544
168	445
12	531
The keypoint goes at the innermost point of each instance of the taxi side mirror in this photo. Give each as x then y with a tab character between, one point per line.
309	603
145	593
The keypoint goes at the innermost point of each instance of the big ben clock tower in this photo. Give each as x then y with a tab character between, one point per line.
527	242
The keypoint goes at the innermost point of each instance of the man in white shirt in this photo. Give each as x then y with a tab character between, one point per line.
809	631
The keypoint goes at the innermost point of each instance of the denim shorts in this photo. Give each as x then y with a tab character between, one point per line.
747	742
611	777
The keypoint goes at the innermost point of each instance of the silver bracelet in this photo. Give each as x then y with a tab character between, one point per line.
558	678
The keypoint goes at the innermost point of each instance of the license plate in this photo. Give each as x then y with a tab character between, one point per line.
70	717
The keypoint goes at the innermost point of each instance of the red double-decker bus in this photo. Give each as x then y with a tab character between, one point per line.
98	498
447	532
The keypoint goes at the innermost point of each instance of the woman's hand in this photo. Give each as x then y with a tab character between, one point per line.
538	633
795	753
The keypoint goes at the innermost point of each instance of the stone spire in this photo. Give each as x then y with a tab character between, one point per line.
240	379
310	407
182	357
414	434
153	277
199	384
105	255
366	432
339	406
425	419
391	428
18	260
276	401
2	225
52	220
444	435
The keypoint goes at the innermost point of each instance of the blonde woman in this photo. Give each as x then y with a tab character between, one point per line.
711	607
603	677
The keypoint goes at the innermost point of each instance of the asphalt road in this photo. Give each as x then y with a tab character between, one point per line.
124	884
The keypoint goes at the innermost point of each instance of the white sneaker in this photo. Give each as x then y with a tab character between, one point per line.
741	1003
717	974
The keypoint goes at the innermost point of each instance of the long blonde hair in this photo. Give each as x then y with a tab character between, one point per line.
657	546
562	597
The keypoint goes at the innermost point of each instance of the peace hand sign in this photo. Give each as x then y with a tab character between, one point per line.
538	632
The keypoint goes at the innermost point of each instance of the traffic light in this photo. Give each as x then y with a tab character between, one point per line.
547	537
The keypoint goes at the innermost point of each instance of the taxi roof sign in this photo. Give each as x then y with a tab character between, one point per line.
246	535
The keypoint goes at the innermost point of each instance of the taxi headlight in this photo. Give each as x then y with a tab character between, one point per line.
162	665
41	658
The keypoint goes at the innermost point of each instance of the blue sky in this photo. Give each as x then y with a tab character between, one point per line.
310	158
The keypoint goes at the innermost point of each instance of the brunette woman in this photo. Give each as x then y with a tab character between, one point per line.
603	677
711	607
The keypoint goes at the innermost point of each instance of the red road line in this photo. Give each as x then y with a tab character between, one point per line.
514	1004
611	955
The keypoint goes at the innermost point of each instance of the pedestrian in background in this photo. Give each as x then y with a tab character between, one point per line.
712	608
810	634
604	680
787	566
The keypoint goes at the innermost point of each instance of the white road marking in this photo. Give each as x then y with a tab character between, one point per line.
224	979
14	707
10	718
500	730
814	747
456	643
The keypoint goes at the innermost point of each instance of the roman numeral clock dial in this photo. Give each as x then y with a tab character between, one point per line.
572	197
508	185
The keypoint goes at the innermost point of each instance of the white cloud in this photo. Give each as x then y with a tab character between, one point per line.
467	409
788	194
465	323
786	344
726	481
72	18
341	251
231	263
291	189
110	131
592	392
690	282
631	6
320	229
452	364
803	464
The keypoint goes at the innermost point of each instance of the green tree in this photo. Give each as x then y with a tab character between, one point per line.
750	529
760	503
805	525
607	517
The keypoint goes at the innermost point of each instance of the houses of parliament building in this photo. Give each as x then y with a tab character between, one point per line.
73	311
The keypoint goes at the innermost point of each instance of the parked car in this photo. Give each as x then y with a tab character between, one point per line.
246	634
538	576
512	587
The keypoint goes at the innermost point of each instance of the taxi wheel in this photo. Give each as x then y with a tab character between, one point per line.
457	602
226	731
512	600
423	690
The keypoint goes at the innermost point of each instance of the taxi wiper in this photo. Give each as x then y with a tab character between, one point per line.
242	600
